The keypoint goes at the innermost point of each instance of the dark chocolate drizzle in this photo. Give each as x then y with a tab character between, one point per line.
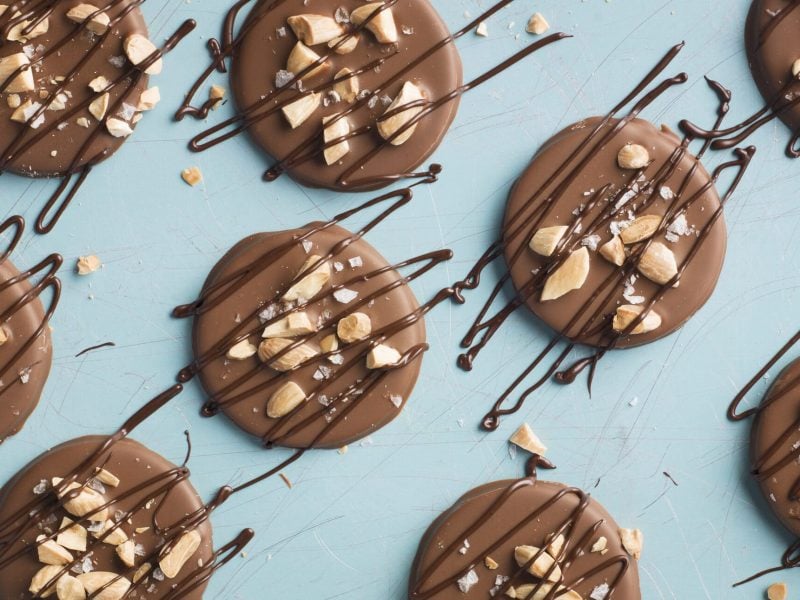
310	147
152	493
74	175
339	406
759	469
616	566
486	326
42	277
784	100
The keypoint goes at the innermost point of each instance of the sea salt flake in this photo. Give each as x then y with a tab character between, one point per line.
679	226
127	111
324	400
336	359
396	400
158	574
666	193
40	488
268	313
591	242
407	30
466	582
307	245
117	61
464	547
338	266
341	15
283	77
345	295
25	375
356	262
600	592
280	32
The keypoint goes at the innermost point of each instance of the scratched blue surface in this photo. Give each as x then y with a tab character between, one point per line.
350	526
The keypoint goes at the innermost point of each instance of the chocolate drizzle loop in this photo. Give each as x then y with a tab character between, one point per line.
589	320
273	100
81	164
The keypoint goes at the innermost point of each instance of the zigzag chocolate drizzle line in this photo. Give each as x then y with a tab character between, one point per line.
338	407
760	470
62	196
784	101
45	270
311	146
562	178
154	491
571	550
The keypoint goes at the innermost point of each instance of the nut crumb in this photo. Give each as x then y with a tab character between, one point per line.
88	264
192	176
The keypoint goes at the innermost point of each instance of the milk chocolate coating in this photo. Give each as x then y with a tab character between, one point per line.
374	409
772	47
68	142
468	511
700	277
774	440
134	465
18	399
263	53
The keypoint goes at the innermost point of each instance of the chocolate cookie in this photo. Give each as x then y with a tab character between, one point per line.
772	49
378	58
307	338
616	246
69	95
91	513
525	539
775	447
26	352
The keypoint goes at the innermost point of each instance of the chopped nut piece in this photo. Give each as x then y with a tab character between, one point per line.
138	49
315	29
4	335
118	128
42	577
73	538
344	44
641	229
627	313
346	87
600	545
382	24
555	547
127	553
633	156
537	24
292	325
284	400
796	67
546	239
99	106
543	567
13	100
383	356
777	591
338	129
82	122
571	275
525	438
25	112
354	327
88	264
111	534
69	588
293	358
329	343
311	284
97	24
50	553
523	592
87	502
141	572
301	58
217	93
23	82
97	580
192	176
490	563
98	84
297	112
632	541
106	477
482	29
149	98
613	251
658	263
172	562
395	117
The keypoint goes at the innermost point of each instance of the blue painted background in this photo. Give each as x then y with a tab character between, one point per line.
350	526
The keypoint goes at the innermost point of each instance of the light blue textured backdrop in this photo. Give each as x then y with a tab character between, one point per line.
350	526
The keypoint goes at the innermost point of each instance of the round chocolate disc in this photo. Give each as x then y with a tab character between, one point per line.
469	551
772	48
774	443
262	60
150	495
243	388
633	193
25	361
77	55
